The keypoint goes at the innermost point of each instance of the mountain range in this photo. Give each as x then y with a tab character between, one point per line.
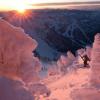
57	30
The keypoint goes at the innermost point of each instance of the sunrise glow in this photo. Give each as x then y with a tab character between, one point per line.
17	5
22	5
21	8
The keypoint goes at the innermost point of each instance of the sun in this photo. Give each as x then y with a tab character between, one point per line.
21	11
21	8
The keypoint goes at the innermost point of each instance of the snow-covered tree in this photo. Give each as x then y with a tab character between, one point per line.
16	57
65	61
18	66
53	69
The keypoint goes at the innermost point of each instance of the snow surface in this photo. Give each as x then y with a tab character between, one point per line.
62	86
19	70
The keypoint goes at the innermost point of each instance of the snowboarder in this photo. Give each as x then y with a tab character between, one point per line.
85	59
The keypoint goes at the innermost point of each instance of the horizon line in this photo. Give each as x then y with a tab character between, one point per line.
65	3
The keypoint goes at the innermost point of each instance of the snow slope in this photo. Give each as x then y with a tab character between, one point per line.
62	87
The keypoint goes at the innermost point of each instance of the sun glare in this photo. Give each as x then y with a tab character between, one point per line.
21	11
21	8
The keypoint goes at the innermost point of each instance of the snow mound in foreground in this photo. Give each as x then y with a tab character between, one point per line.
13	90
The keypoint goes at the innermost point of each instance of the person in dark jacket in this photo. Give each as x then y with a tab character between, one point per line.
85	60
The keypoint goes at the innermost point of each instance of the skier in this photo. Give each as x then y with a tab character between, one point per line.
85	59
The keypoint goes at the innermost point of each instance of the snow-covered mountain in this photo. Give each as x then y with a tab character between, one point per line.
58	31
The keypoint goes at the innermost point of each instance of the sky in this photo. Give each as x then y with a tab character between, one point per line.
54	1
48	0
20	4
